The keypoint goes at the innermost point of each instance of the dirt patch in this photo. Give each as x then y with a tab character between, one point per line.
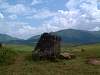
93	61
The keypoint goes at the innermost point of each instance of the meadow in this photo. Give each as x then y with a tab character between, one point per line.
17	60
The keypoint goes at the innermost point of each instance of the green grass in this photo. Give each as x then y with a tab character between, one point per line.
24	65
7	56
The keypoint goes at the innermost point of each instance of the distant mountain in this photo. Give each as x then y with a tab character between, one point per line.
4	38
68	36
74	36
33	40
78	36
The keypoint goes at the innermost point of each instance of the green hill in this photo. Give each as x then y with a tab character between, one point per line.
74	36
69	36
78	36
6	38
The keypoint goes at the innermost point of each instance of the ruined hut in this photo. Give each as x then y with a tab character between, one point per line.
48	46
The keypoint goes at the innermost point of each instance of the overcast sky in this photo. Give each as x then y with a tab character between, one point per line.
26	18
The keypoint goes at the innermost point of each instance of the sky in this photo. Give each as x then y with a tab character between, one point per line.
26	18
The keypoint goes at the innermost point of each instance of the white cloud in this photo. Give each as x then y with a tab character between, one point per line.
81	14
58	20
34	2
16	29
98	0
43	14
62	20
24	32
72	4
1	1
88	13
21	30
96	29
96	15
17	9
13	17
4	5
1	16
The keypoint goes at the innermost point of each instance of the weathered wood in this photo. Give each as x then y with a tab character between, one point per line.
48	46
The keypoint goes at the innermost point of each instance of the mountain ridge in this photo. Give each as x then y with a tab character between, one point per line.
4	38
67	35
75	36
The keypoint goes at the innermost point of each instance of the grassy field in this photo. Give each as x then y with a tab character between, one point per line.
22	63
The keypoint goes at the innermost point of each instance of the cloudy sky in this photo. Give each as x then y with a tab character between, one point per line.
25	18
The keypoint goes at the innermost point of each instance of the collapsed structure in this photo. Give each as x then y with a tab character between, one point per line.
48	46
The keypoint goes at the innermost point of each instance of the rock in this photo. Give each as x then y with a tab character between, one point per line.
67	56
48	46
93	61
